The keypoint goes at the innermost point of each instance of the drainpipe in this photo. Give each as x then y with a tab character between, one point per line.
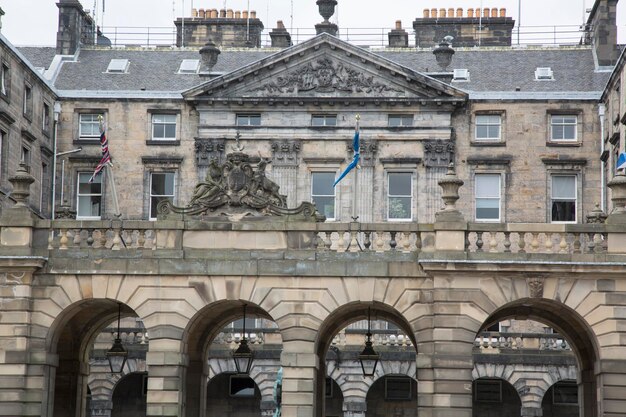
57	113
601	112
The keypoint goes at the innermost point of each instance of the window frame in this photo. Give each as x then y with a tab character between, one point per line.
27	98
79	174
334	196
5	80
389	174
499	198
488	139
153	124
249	117
402	118
26	155
497	382
151	196
45	118
576	197
325	119
560	385
409	395
551	126
81	135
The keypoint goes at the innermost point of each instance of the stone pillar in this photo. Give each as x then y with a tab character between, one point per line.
365	199
285	168
300	366
166	366
532	412
354	407
438	154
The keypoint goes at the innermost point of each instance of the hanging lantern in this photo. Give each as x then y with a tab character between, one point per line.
117	355
243	356
368	357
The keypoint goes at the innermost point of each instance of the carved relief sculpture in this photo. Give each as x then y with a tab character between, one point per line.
535	286
438	153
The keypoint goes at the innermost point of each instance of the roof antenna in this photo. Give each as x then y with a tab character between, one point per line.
291	28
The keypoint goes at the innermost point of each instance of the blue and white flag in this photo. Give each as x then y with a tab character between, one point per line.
355	159
621	161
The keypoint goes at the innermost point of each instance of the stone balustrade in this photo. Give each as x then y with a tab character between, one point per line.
500	341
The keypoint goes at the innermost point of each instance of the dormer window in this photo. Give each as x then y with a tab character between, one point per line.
118	66
544	73
189	66
461	74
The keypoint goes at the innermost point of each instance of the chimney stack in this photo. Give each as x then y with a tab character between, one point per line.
601	32
281	38
76	27
398	37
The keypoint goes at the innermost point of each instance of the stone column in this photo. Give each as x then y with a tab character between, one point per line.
532	412
166	365
300	366
285	168
354	408
100	408
365	205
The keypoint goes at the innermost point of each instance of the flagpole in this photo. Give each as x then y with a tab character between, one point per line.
355	215
116	206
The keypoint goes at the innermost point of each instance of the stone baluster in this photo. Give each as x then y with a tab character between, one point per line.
341	242
418	242
63	240
380	243
577	244
321	244
354	245
406	242
591	243
493	242
534	243
392	241
479	241
77	238
367	243
563	244
328	241
521	242
507	242
548	243
141	239
51	240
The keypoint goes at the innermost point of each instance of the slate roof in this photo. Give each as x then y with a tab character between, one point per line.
39	56
491	69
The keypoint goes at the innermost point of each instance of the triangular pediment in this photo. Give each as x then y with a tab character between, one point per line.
325	67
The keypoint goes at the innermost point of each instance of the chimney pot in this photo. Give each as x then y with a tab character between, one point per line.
244	14
485	12
442	12
459	12
214	14
201	13
470	12
253	14
450	12
494	12
238	14
280	24
223	13
194	12
433	13
398	24
426	13
229	13
503	12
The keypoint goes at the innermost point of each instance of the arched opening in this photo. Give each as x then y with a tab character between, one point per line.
334	398
232	395
571	333
129	395
209	340
561	400
392	395
341	339
492	397
72	337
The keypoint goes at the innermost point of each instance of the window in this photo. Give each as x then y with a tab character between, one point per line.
251	324
118	66
488	127
45	122
4	80
487	195
398	388
544	73
241	386
565	392
563	127
164	127
328	387
461	74
28	101
25	157
161	188
400	120
249	119
324	120
323	193
189	66
564	198
488	390
89	197
89	125
43	179
400	196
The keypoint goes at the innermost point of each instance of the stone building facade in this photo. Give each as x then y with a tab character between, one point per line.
508	300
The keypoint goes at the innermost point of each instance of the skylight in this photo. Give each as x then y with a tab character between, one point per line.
544	73
189	66
118	66
461	74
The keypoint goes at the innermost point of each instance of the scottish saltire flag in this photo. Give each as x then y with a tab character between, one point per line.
355	159
621	161
106	156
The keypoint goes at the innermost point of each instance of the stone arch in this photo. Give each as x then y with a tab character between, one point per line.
334	322
510	402
380	405
263	375
568	323
102	384
197	337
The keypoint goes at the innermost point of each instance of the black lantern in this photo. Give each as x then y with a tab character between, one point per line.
243	356
117	354
369	358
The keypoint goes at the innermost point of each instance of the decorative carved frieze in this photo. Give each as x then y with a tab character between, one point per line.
535	286
207	149
326	76
285	153
368	150
438	153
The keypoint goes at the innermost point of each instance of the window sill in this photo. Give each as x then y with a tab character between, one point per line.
323	127
247	126
564	144
89	141
487	143
163	142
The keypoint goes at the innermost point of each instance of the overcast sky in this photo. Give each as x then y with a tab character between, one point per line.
34	22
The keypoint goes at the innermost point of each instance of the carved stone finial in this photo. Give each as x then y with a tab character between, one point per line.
238	147
209	54
535	286
443	52
618	197
596	215
326	8
21	182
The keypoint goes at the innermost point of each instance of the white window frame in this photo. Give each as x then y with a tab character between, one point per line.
562	123
84	135
151	196
390	196
88	175
28	101
45	119
4	79
498	198
488	124
154	123
325	119
402	118
334	195
247	117
575	199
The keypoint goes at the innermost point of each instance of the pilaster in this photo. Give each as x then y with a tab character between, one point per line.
285	168
166	392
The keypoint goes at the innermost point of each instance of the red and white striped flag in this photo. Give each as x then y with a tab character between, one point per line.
106	156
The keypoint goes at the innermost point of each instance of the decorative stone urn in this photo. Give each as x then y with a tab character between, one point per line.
450	185
208	55
21	182
326	8
618	193
443	52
